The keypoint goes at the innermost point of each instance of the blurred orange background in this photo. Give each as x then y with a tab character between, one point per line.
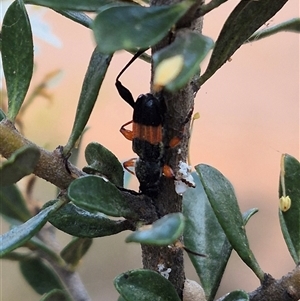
249	116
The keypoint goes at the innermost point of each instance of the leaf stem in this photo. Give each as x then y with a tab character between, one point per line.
292	25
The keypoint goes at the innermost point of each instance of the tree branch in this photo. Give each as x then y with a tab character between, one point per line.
52	168
51	165
285	289
178	107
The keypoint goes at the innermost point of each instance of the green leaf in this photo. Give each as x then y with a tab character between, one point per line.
20	164
2	115
89	93
39	275
243	21
290	216
75	250
19	235
193	48
15	256
103	161
12	204
56	295
37	244
163	232
145	285
236	296
77	5
222	198
81	223
94	193
248	214
292	25
203	234
130	27
17	55
78	17
287	238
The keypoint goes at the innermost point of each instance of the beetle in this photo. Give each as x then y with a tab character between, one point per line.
146	136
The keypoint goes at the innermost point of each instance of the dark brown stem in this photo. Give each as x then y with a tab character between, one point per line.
285	289
51	166
178	107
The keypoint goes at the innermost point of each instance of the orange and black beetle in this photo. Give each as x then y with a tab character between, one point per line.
146	135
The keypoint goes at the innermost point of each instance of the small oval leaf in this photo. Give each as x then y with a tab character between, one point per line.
81	223
163	232
2	115
203	234
75	250
17	55
222	198
94	193
92	82
56	295
20	164
236	296
133	26
12	204
290	217
76	5
39	275
243	21
193	48
103	161
145	285
18	235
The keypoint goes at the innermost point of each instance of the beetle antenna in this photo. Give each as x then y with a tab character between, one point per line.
123	91
136	55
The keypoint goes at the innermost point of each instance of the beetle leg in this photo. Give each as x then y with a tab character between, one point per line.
128	134
128	164
176	140
168	172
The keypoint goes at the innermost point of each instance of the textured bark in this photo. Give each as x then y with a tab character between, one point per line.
51	165
178	107
285	289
